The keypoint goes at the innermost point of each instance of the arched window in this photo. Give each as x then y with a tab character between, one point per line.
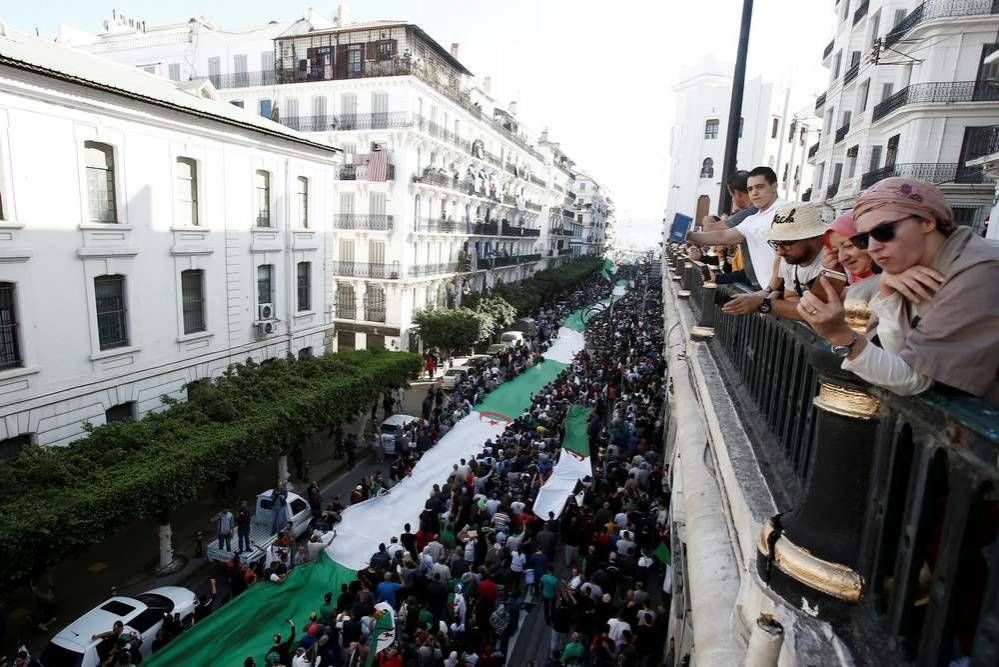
711	128
708	168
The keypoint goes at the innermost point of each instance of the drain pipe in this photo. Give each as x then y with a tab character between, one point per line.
765	642
712	570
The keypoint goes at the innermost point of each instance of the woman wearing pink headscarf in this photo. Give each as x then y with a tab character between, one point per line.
938	302
841	253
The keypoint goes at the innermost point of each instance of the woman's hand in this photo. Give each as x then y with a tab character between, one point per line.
917	283
826	317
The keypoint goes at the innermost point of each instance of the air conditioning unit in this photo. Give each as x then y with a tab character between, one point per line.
265	328
265	311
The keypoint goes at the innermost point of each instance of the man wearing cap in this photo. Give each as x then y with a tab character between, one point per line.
796	235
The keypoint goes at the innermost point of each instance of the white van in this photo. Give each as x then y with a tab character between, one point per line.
453	377
512	338
389	427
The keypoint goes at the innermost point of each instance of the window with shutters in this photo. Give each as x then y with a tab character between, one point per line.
112	311
887	89
837	63
192	288
345	306
711	128
174	70
304	272
862	93
10	349
851	161
263	196
265	284
186	188
302	201
875	160
101	195
239	64
374	303
875	28
386	49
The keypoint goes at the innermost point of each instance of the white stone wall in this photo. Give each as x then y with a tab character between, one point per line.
52	252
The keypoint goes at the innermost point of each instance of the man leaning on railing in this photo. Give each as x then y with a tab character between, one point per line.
935	316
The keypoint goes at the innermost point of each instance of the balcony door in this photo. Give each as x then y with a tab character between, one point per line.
379	111
348	111
891	155
987	81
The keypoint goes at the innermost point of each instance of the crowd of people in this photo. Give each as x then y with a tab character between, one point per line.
478	560
925	282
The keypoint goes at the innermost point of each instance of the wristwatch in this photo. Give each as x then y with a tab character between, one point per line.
765	305
845	350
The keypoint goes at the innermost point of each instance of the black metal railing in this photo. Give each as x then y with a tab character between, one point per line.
812	150
561	232
935	9
841	133
507	229
531	206
826	52
344	122
831	190
570	194
943	92
533	257
374	313
366	221
851	73
510	200
346	312
366	270
983	141
439	225
861	12
920	514
820	101
243	79
932	172
362	172
434	269
367	70
564	251
537	181
485	228
806	195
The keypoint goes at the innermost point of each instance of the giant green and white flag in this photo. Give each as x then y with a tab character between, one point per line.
383	634
608	269
573	464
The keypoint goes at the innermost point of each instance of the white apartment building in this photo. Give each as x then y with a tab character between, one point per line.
909	93
150	236
594	212
771	136
442	192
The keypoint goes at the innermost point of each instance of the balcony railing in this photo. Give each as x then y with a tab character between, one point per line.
361	172
368	70
499	262
346	312
935	9
485	228
914	521
534	257
832	190
510	230
806	195
434	269
983	141
569	215
570	194
841	133
826	52
366	221
537	181
851	73
344	122
366	270
374	314
861	12
531	206
510	200
439	225
564	251
932	172
820	101
944	92
812	150
243	79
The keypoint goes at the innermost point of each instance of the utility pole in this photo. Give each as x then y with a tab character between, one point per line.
735	107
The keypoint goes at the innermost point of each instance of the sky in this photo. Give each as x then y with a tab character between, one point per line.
597	74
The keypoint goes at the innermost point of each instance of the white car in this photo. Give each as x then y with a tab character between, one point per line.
389	427
143	614
496	348
453	377
512	338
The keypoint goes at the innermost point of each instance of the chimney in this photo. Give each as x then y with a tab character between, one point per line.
513	108
454	50
487	85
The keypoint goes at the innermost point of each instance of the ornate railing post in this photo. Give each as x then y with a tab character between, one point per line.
810	555
705	327
685	276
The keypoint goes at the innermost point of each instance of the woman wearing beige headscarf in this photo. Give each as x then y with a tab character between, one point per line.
938	301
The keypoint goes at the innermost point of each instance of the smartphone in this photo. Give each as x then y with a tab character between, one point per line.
836	279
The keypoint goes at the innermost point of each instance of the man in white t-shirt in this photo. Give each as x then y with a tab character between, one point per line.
796	234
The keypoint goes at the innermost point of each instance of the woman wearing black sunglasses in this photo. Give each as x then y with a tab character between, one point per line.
937	308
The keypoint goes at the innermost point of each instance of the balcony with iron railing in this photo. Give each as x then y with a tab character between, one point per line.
939	9
943	92
509	200
364	172
932	172
841	133
364	221
826	52
344	122
806	195
887	527
346	312
812	150
564	251
243	79
832	189
982	142
423	270
531	206
440	226
374	313
820	101
365	270
570	194
861	12
537	181
851	73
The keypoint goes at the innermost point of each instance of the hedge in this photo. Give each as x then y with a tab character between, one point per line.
59	499
528	295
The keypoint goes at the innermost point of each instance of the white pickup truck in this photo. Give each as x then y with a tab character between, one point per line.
261	536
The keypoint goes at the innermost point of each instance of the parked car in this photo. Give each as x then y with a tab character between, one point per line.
496	348
477	361
526	325
261	536
453	377
390	427
143	614
512	338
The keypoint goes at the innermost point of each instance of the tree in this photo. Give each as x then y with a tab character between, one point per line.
499	311
452	329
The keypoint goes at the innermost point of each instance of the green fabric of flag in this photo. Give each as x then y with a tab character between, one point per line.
383	634
663	554
511	398
577	436
246	625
